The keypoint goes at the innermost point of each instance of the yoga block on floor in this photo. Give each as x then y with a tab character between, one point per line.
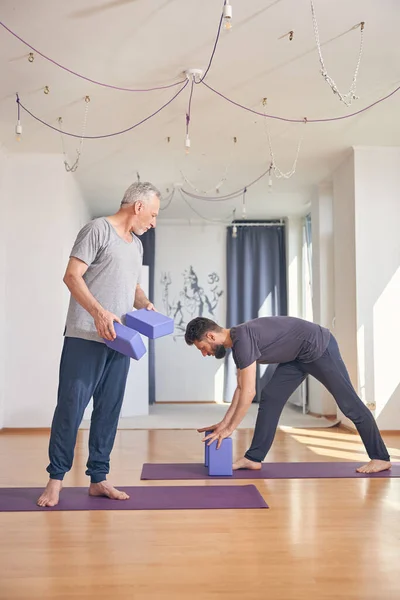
127	342
150	323
220	461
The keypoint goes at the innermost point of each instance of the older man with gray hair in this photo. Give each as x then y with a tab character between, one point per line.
103	276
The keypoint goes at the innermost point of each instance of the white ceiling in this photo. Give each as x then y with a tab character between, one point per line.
142	43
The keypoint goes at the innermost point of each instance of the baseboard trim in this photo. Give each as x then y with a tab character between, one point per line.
318	415
24	430
188	402
390	431
383	431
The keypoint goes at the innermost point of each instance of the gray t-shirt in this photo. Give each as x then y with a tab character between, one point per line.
114	268
271	340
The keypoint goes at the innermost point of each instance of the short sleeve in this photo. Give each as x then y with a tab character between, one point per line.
245	348
88	243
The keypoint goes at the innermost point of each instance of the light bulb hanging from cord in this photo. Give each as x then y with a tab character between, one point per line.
190	75
187	144
18	131
244	204
227	16
18	127
234	228
270	179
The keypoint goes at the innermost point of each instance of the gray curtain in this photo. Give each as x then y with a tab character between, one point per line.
256	284
149	247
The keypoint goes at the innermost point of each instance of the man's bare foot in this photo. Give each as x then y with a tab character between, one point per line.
106	489
51	494
374	466
245	463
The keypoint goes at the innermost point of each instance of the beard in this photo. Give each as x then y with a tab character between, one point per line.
220	352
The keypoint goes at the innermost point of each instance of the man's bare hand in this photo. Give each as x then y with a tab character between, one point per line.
218	426
218	435
219	431
104	322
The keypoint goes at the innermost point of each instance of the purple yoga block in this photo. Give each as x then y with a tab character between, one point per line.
220	461
150	323
127	342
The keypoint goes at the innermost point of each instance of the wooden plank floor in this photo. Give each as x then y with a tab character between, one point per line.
321	539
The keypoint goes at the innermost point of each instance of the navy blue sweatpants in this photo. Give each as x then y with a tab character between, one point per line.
331	371
87	369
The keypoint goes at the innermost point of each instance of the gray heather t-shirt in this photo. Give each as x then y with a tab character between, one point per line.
114	268
271	340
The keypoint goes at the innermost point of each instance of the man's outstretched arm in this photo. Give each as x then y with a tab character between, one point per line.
245	393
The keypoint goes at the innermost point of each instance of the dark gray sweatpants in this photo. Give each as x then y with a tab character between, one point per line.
87	369
331	371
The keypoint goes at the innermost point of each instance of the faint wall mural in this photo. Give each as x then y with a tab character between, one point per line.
193	300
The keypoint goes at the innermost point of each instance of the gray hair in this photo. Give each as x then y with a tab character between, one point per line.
142	191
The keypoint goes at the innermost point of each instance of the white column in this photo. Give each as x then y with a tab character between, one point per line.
294	242
294	263
345	319
320	400
136	398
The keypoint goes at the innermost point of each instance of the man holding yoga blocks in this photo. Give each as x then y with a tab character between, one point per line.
103	276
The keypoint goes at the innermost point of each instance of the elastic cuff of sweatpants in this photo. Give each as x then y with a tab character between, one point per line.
252	458
98	477
58	476
384	458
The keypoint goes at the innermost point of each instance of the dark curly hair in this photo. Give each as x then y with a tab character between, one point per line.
197	329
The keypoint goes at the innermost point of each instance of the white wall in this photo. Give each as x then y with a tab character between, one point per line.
182	374
367	276
42	210
3	169
377	235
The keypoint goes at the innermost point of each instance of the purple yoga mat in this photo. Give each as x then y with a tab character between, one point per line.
296	470
141	498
